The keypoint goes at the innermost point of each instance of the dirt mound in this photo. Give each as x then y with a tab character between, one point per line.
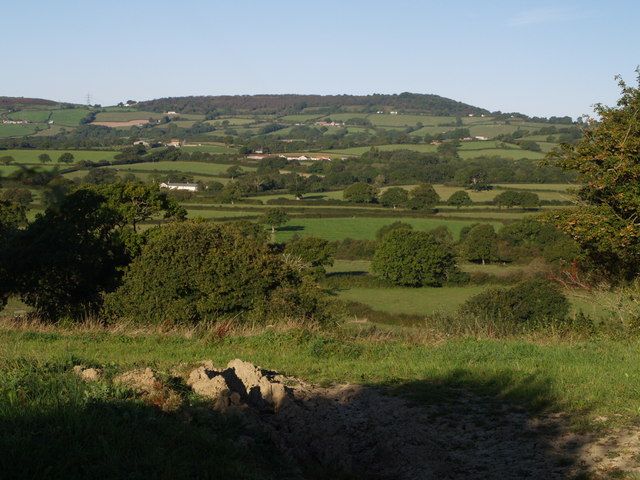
346	429
88	374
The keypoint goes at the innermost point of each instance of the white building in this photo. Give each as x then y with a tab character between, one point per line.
189	187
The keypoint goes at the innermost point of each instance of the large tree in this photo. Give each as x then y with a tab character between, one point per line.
607	158
394	197
361	193
413	258
423	197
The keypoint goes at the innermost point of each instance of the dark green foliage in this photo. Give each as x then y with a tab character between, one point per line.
316	252
423	197
511	198
350	249
481	244
606	158
459	199
66	258
192	272
361	193
412	258
66	157
394	197
387	229
529	237
274	217
533	301
56	426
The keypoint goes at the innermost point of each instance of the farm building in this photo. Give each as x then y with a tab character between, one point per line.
174	143
189	187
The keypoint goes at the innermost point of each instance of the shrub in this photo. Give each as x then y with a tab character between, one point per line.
350	249
410	258
481	244
387	229
197	271
532	301
361	193
316	252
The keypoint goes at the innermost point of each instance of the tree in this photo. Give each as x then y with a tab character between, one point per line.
459	199
100	176
413	258
394	197
508	198
66	157
481	244
234	171
606	158
274	217
298	187
529	200
136	202
199	271
65	260
7	159
532	301
473	178
231	193
387	229
44	158
361	193
423	197
20	196
316	252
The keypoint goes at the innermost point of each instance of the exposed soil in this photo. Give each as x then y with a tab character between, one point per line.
352	431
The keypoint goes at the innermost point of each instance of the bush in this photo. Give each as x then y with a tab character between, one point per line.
533	302
197	271
387	229
415	259
350	249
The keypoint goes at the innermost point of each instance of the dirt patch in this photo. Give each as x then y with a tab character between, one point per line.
354	431
88	374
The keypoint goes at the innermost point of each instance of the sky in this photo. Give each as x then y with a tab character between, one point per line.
535	57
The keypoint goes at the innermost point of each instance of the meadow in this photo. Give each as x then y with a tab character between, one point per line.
202	168
361	228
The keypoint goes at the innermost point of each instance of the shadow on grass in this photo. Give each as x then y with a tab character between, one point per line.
462	425
290	228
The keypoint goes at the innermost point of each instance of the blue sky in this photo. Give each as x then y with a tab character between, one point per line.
540	58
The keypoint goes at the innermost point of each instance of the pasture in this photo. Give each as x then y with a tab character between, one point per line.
18	130
30	156
201	168
362	228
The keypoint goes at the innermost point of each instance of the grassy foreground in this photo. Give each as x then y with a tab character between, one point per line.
598	376
56	426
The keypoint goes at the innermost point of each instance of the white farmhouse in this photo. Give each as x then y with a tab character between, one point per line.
189	187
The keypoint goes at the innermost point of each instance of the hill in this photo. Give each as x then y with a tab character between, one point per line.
16	102
288	104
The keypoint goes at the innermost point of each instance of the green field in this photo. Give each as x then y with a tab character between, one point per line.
210	148
126	116
361	228
36	116
510	153
30	156
178	166
69	116
11	130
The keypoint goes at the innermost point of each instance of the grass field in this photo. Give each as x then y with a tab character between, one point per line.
210	148
69	116
510	153
36	116
178	166
361	228
10	130
588	378
30	156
